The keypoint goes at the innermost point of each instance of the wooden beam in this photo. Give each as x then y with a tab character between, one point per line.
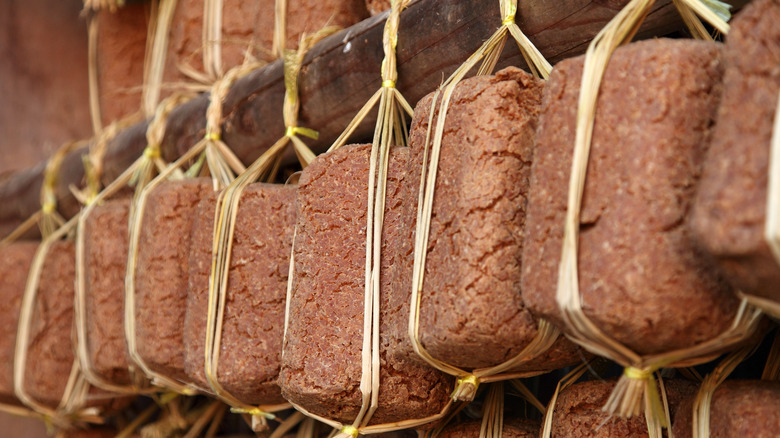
338	76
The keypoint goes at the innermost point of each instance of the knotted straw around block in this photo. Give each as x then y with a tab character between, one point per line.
223	165
73	401
227	206
48	220
72	407
390	130
138	174
488	54
634	392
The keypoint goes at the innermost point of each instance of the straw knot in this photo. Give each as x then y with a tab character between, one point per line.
638	374
388	84
508	20
465	388
49	207
152	152
213	136
189	391
297	130
255	412
350	430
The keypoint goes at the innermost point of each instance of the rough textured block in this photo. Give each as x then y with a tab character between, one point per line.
161	275
472	313
106	263
730	209
578	411
251	347
642	279
50	352
15	261
740	408
513	428
321	365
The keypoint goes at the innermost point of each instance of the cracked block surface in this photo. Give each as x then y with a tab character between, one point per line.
740	408
15	261
321	364
50	351
161	275
642	280
105	241
471	312
251	346
578	411
730	210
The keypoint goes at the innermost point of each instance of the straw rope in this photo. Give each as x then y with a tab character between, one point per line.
93	161
74	398
634	391
156	53
488	54
280	29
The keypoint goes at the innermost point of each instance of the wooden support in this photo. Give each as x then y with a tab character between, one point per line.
338	77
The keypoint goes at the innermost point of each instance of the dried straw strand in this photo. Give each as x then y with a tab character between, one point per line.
156	53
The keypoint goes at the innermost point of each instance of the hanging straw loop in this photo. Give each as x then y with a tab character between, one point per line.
221	163
155	132
226	214
93	161
139	173
47	217
72	403
390	130
488	55
636	385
